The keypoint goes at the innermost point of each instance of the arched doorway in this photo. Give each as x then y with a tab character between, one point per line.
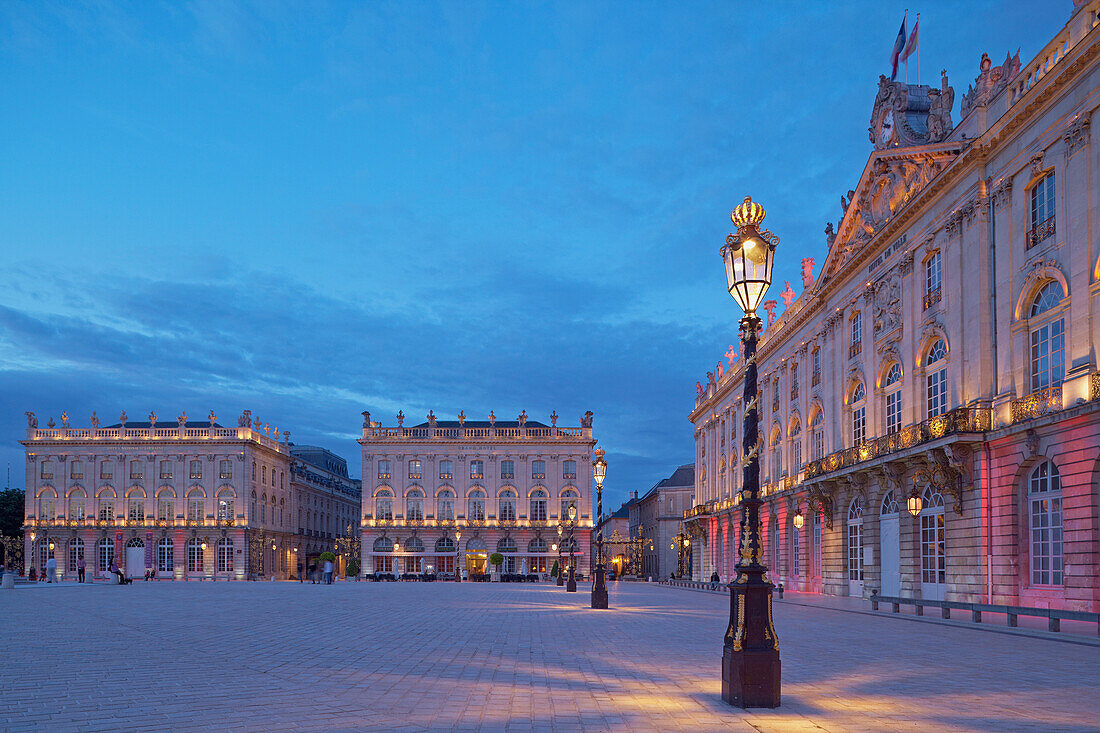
135	557
933	554
889	524
855	548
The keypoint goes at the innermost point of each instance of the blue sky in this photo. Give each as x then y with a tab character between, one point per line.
310	210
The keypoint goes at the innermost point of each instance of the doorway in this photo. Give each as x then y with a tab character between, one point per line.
890	546
135	558
476	561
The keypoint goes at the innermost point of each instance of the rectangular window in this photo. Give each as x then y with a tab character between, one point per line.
817	443
194	510
106	470
796	453
507	470
384	469
447	509
414	469
76	470
166	469
794	383
225	470
817	545
815	377
446	470
569	470
164	510
795	570
932	280
538	509
477	469
859	425
857	335
137	511
47	470
477	509
1048	355
76	510
1046	540
225	509
1042	211
893	412
538	470
196	470
136	471
937	393
507	509
107	510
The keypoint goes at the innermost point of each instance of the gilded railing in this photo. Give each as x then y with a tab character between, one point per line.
1037	404
960	420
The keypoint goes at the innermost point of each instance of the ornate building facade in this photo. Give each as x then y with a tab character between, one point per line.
327	503
447	494
930	404
184	500
658	516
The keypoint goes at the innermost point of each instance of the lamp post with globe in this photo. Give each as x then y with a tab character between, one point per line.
599	581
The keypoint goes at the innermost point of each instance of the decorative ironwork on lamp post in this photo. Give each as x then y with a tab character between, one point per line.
571	584
599	581
681	542
750	655
458	555
561	567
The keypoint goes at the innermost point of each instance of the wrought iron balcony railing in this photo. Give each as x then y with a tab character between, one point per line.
854	349
1038	403
932	297
960	420
1040	231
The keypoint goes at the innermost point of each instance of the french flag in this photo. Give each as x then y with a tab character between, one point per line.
899	44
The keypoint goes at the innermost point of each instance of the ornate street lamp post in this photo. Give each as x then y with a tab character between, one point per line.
750	657
458	555
599	582
680	543
561	568
571	585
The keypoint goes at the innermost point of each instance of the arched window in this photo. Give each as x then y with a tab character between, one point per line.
858	405
476	505
225	504
196	497
796	446
855	542
857	335
889	504
569	498
106	504
445	545
892	388
538	544
383	544
225	555
936	379
777	454
194	555
1048	341
46	548
817	435
507	505
166	555
47	505
76	553
383	504
794	533
1044	499
932	549
414	505
106	553
506	544
446	505
538	505
414	544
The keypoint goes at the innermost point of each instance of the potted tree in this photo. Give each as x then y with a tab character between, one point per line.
554	571
353	569
496	560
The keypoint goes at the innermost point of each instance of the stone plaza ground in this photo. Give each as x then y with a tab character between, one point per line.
473	656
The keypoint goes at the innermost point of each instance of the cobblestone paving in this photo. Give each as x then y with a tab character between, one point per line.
464	657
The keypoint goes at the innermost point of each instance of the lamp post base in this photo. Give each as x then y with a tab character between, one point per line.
571	585
561	578
599	589
750	657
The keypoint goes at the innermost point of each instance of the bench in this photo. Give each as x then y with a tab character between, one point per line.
1054	616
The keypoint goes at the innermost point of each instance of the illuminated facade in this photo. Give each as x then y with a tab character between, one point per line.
944	360
326	502
501	486
186	500
658	516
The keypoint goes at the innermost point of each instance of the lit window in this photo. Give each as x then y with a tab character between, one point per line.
196	470
538	470
507	470
538	506
446	470
225	469
859	415
414	469
1048	341
893	399
936	380
1044	496
477	469
383	469
507	506
569	470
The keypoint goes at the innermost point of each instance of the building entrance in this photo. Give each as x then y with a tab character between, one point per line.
476	561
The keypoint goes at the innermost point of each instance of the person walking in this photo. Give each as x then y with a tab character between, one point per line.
313	573
51	568
80	569
299	571
328	572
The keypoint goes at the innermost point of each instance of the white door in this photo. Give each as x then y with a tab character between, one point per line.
135	562
890	555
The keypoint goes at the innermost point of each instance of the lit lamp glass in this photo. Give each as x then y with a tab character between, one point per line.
554	547
799	520
748	257
51	547
572	512
687	542
915	505
599	467
203	546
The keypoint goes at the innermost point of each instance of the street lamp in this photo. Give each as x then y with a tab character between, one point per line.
750	655
458	554
599	582
571	586
561	569
799	520
396	548
681	543
915	505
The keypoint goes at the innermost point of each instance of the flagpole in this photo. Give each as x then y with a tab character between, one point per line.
905	24
918	52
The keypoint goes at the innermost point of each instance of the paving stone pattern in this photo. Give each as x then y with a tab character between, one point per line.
474	656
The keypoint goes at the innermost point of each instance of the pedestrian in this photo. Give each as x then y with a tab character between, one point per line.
715	581
51	568
299	571
80	569
328	572
313	573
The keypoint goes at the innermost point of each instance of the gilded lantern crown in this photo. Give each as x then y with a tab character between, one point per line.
747	213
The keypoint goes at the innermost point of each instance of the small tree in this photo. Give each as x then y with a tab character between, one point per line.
353	568
496	559
555	570
327	556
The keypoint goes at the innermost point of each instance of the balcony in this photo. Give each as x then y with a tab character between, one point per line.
1037	404
855	349
538	476
446	476
507	475
569	476
225	475
476	476
383	476
414	475
1040	232
931	298
699	510
960	420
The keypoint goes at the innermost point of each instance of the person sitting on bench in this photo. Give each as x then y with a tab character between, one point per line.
715	581
122	579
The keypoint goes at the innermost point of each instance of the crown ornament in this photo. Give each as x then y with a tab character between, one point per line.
747	213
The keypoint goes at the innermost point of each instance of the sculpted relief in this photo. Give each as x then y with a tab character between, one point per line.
887	304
